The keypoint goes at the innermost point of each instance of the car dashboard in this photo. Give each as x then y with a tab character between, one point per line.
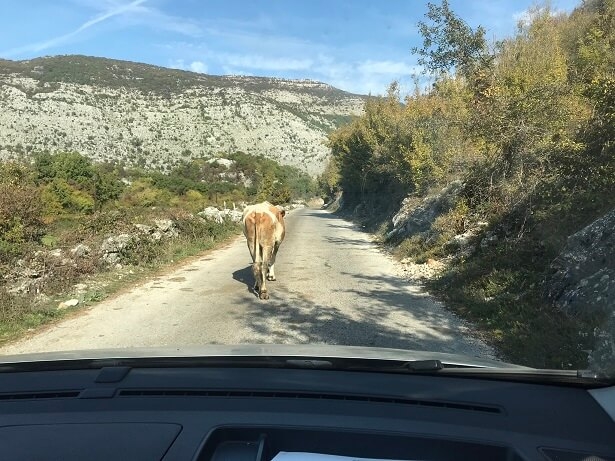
253	414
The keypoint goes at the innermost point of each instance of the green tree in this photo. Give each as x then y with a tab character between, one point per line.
73	166
450	43
107	187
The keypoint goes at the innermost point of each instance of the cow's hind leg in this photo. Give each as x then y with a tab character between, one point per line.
265	272
262	292
271	269
256	271
260	287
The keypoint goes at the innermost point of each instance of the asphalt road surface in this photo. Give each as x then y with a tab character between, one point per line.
334	287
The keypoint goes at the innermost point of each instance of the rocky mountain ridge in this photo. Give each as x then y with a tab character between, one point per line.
154	117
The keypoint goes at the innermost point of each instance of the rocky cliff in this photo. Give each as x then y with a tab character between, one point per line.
152	116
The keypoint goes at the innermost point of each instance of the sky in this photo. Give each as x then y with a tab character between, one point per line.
358	46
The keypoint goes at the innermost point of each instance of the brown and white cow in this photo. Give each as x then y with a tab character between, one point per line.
264	228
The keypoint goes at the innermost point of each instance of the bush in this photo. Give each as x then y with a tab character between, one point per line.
102	222
197	229
63	276
142	193
142	251
20	214
70	166
16	174
107	187
59	196
12	307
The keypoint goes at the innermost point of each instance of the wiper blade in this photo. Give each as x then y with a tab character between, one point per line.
354	364
578	378
431	367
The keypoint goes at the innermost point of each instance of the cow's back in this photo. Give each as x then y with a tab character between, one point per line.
260	208
276	215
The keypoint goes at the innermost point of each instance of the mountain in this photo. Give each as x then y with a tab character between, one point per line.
153	116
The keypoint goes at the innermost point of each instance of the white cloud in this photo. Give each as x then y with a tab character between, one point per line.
198	66
262	42
156	19
364	77
264	63
110	12
133	13
252	53
524	18
177	64
194	66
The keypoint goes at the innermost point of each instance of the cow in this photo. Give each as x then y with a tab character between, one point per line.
264	228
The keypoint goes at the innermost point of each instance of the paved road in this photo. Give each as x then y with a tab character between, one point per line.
334	287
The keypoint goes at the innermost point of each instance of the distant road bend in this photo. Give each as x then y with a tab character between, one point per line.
334	287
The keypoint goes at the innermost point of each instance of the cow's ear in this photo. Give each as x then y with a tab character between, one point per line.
282	213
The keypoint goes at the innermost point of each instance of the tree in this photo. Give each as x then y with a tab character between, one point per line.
107	187
70	166
449	43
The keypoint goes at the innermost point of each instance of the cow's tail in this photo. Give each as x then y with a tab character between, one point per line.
258	257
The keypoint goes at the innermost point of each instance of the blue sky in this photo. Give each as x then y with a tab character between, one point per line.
356	45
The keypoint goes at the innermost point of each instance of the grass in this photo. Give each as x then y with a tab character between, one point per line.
502	297
502	289
19	315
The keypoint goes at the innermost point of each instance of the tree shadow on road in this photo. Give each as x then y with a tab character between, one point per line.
337	221
341	242
385	314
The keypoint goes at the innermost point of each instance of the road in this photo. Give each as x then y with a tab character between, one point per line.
334	287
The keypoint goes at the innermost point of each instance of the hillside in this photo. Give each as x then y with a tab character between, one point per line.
154	117
501	176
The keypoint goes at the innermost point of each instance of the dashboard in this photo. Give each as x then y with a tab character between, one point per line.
252	414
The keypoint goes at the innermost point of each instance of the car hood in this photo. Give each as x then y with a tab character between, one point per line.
259	350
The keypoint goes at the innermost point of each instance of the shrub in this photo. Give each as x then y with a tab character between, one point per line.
59	196
70	166
12	307
20	214
107	187
142	193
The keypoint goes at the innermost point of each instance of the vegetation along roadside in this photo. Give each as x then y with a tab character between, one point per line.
502	171
73	232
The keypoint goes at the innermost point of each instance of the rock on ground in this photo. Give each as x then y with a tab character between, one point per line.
583	282
414	219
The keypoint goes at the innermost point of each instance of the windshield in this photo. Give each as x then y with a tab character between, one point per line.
434	177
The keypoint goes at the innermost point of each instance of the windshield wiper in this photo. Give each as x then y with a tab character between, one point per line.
354	364
581	378
351	364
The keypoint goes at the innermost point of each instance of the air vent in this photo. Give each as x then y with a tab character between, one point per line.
304	395
40	395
